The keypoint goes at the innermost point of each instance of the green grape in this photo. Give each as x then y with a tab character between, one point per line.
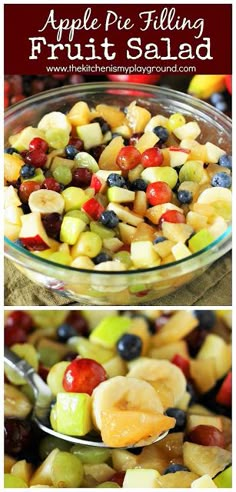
90	350
67	470
62	174
61	258
191	171
48	357
123	257
175	121
27	352
90	455
74	198
44	319
78	214
48	443
89	244
101	230
83	159
57	138
13	482
108	485
55	377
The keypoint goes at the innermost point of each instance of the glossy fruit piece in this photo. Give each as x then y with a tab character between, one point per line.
90	455
52	224
12	167
16	404
158	193
90	350
173	216
96	183
176	328
67	470
17	435
178	480
207	435
175	121
204	482
88	244
135	479
109	330
128	158
215	347
182	363
26	188
145	142
79	114
48	443
23	470
55	377
151	157
72	414
224	479
32	234
160	173
93	208
74	198
83	375
129	346
13	334
205	459
224	395
107	159
38	143
43	474
13	482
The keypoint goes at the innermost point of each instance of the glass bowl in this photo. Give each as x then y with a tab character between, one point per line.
135	286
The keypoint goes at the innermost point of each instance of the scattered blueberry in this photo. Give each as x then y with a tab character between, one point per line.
11	150
221	179
101	258
159	239
175	467
105	127
65	331
179	416
116	180
216	97
161	132
109	219
221	106
27	171
71	151
96	151
129	346
185	196
225	161
138	185
207	319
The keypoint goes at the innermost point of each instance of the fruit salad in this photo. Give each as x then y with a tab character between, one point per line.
125	377
105	188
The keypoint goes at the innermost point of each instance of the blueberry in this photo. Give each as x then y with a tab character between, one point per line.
185	196
138	185
221	106
65	331
175	467
179	416
116	180
101	258
162	133
27	171
216	97
11	150
207	319
191	390
129	347
159	239
105	127
221	179
225	161
71	151
109	219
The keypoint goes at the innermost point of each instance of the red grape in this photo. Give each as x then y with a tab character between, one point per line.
77	143
128	158
17	435
36	158
51	184
152	157
83	375
118	478
158	192
173	216
19	319
13	335
81	177
78	322
52	224
207	435
26	188
38	144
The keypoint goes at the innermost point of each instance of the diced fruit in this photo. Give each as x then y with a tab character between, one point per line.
11	197
67	470
173	216
200	240
12	166
128	158
71	228
204	482
158	120
179	325
79	114
180	251
57	138
134	479
46	202
43	474
32	233
83	375
93	208
213	153
143	254
206	435
16	404
13	215
215	347
144	232
22	140
13	482
23	470
203	373
188	130
147	140
176	232
120	195
205	459
158	193
86	160
107	159
140	203
73	412
88	244
175	121
180	361
137	117
90	134
224	479
154	213
125	214
211	195
127	232
109	330
178	156
179	480
224	395
166	174
191	171
111	114
55	377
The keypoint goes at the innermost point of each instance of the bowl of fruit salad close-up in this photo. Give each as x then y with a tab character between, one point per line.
116	194
133	399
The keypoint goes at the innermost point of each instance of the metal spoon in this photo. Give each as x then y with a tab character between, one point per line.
44	401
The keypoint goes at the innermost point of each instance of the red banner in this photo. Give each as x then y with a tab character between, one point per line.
129	38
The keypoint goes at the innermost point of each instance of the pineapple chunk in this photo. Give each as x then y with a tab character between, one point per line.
127	232
195	420
205	459
178	326
189	130
143	254
170	350
137	117
146	141
213	153
107	159
204	482
79	114
203	373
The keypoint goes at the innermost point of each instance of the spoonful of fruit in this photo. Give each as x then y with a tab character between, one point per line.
126	412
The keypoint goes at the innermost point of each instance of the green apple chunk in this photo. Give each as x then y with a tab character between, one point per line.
143	254
224	479
73	414
13	482
109	330
137	478
167	174
84	159
90	134
120	195
200	240
101	230
71	228
74	198
21	141
90	350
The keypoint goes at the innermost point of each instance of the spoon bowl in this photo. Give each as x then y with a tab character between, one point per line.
44	400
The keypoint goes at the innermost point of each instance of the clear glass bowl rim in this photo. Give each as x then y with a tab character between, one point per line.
155	91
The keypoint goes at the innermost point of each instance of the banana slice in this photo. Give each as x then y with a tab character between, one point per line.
211	195
16	404
166	378
55	120
128	411
46	202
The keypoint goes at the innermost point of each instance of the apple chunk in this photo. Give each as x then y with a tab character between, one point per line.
73	413
32	234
